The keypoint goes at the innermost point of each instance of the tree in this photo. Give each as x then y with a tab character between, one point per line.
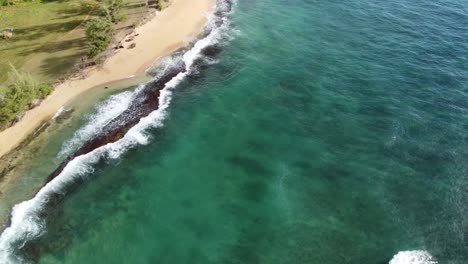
111	10
98	35
18	96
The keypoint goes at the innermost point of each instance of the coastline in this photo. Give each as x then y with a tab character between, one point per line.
181	22
23	171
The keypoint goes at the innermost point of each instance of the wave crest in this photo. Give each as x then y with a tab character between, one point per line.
413	257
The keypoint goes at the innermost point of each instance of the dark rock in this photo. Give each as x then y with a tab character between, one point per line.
64	116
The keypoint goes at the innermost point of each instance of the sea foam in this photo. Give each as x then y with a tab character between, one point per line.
413	257
59	112
105	113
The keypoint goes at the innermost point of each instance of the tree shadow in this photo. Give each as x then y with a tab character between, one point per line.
34	32
53	46
136	5
56	67
74	11
15	47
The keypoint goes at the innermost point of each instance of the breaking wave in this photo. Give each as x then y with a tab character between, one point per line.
413	257
105	113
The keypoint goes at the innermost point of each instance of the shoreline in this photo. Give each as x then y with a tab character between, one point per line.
169	30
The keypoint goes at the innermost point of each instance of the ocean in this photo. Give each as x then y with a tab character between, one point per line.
303	131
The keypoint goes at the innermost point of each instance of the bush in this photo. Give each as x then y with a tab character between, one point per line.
159	5
98	35
111	10
43	90
99	30
17	97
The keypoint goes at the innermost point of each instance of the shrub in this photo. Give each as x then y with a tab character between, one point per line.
43	90
98	35
111	10
159	5
19	94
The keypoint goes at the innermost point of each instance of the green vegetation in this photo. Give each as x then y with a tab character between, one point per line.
160	5
46	35
7	2
111	10
19	95
51	35
98	35
99	30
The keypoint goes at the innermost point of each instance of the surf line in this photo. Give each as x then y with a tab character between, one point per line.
148	98
147	110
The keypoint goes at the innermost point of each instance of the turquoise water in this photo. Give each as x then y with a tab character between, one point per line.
327	132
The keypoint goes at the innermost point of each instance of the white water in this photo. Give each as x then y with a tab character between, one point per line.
59	112
26	220
413	257
105	113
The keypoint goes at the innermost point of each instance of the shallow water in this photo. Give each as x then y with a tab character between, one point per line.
327	132
26	169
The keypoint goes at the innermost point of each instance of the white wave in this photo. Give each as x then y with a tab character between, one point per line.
161	67
59	112
413	257
27	222
105	113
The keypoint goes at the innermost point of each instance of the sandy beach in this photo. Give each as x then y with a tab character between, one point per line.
169	30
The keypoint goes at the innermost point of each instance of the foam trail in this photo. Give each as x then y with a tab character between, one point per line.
59	112
105	112
28	220
413	257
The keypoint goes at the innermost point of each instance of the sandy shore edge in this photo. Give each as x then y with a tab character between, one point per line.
169	30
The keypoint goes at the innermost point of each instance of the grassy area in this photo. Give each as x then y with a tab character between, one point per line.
47	44
47	40
49	36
